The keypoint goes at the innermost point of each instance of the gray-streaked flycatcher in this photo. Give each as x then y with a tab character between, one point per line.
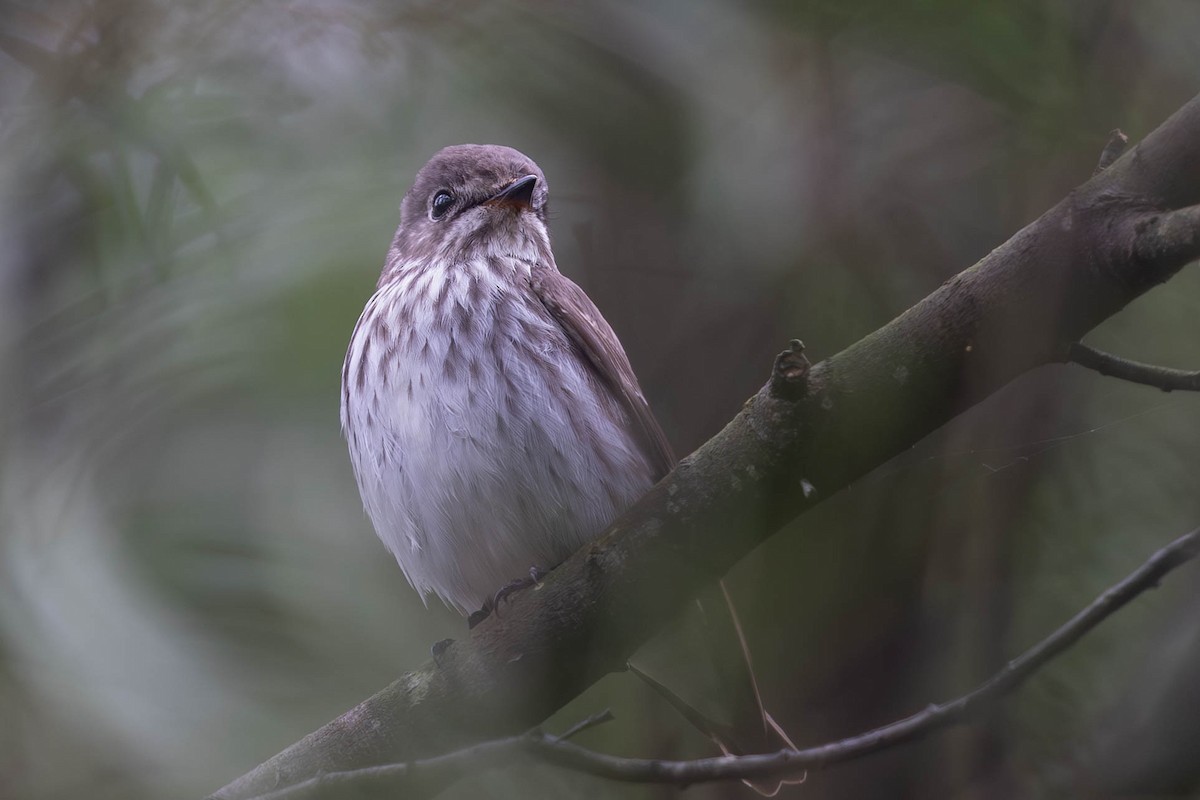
493	419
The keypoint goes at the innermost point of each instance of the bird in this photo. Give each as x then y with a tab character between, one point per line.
493	419
494	422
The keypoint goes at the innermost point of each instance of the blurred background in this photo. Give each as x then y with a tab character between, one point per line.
195	201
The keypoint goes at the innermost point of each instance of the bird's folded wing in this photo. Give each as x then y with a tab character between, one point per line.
579	318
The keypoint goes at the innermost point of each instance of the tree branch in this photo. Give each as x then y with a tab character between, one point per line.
784	763
1019	308
1163	378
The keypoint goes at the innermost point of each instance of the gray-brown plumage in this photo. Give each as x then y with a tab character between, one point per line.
493	418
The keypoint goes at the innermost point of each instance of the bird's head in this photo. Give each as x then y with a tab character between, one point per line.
469	197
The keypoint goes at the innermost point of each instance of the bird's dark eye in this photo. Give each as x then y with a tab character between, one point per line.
441	204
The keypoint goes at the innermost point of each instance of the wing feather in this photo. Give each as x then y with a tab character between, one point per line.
583	323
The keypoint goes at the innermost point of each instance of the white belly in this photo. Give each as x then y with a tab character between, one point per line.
483	444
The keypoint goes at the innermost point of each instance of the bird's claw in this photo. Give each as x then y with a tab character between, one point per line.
535	577
493	604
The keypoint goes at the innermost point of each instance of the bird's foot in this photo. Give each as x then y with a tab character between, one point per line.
535	577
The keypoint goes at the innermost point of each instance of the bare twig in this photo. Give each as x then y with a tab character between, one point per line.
1163	378
579	727
389	779
557	750
706	726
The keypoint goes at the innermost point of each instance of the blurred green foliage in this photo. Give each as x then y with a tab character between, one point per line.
195	200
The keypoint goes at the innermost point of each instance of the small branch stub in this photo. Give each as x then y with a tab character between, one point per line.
790	374
1117	142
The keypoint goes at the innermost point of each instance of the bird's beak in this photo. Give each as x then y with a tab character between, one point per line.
518	194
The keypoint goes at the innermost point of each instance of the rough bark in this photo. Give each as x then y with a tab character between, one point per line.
800	439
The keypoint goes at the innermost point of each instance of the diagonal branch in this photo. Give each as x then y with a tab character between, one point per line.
1019	308
1163	378
395	778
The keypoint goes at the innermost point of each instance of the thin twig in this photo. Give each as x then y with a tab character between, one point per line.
579	727
702	723
1163	378
556	750
390	780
